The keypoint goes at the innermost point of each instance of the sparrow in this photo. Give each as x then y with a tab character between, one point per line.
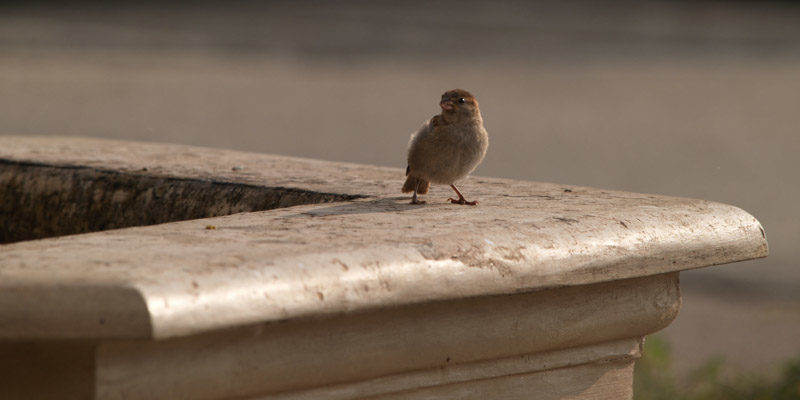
447	147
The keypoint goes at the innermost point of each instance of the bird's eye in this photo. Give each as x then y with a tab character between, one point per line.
461	100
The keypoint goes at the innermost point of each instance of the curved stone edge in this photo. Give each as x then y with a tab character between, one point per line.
401	275
431	267
296	286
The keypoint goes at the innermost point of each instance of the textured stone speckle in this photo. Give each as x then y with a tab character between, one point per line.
362	248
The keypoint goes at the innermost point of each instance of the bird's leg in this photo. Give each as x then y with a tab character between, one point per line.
414	199
461	199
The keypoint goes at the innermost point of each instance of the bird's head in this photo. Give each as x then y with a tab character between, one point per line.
459	105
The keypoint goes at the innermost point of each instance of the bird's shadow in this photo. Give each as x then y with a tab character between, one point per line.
382	205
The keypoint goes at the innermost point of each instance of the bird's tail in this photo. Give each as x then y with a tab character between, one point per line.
413	182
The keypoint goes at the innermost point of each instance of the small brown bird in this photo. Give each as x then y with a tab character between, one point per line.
448	147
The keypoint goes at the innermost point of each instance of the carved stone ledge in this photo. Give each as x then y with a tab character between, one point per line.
541	288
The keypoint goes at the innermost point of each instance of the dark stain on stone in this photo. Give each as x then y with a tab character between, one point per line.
473	257
567	220
514	254
341	264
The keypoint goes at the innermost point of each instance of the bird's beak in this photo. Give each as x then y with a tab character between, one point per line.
446	105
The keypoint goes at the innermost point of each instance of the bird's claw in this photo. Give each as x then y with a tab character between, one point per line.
463	201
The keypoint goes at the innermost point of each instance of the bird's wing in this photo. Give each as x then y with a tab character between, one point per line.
423	131
426	127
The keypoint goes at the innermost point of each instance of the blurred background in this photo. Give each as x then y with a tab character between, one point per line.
684	98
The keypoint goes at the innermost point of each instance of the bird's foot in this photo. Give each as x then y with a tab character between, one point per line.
416	201
463	201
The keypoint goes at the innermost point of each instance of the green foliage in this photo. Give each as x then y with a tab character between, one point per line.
654	379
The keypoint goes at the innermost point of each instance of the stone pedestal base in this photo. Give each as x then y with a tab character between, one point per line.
576	342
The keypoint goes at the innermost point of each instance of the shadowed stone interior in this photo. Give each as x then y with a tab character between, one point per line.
39	201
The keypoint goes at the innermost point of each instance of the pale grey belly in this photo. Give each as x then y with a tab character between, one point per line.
445	162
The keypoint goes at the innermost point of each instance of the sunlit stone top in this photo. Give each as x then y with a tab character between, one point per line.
313	260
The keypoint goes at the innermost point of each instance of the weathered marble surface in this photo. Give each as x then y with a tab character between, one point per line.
183	278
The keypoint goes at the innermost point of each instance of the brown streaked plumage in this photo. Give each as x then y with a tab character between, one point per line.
447	147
